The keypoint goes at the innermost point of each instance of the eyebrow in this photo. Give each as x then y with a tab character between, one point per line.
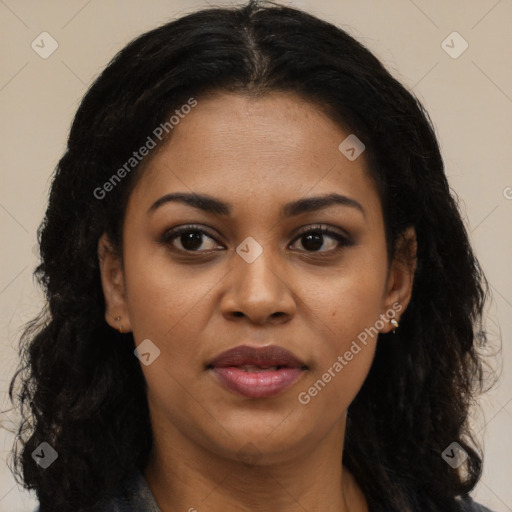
212	205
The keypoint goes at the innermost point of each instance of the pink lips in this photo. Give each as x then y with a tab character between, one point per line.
257	372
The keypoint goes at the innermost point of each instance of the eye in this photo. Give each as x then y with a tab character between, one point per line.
313	239
193	238
190	239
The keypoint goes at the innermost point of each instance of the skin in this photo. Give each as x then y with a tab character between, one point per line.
256	154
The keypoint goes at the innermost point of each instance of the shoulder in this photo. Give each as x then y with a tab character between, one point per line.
131	495
469	505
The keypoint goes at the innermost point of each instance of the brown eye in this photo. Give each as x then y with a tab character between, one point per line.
315	239
190	239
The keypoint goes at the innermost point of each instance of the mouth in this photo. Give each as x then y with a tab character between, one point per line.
257	372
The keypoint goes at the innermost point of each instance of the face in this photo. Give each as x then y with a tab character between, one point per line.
262	264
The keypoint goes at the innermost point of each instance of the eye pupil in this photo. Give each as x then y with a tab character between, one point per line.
191	240
315	238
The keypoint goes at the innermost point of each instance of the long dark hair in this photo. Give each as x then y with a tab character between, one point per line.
82	390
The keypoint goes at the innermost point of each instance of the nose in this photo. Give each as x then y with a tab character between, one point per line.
258	292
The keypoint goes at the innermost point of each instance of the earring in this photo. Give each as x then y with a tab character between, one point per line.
118	318
394	323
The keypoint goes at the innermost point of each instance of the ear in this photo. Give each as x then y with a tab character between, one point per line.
112	281
398	292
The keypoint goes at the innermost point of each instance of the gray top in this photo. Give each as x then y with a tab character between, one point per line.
134	495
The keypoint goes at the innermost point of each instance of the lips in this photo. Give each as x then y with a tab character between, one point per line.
257	372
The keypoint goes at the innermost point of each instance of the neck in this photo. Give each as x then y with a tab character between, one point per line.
185	476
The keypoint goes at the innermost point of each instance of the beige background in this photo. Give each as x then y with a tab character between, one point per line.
469	99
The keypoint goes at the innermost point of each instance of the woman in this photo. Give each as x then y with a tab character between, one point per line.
261	295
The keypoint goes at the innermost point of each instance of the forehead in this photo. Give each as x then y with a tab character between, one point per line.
273	148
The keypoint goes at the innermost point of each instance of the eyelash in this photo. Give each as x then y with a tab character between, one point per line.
343	240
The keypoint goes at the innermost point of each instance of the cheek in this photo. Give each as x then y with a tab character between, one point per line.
351	300
357	308
349	308
167	305
344	357
165	301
